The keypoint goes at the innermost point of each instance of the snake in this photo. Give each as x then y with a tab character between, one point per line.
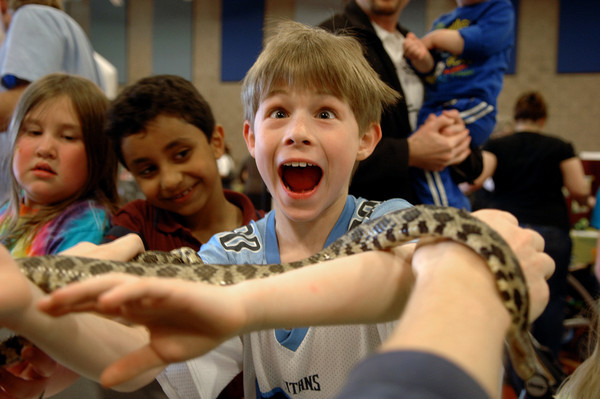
395	228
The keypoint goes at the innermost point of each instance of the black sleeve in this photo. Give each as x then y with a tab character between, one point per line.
469	169
120	231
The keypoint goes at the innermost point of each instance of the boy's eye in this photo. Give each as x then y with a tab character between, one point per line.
278	114
326	114
146	172
182	154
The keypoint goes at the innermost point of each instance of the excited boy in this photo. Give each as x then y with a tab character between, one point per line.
312	108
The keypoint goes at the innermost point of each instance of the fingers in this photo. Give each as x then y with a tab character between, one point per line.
16	387
460	150
139	300
82	296
441	141
166	347
528	247
495	216
131	366
453	114
413	48
121	249
41	365
536	275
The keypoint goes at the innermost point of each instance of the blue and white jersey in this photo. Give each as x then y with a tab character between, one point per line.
312	362
256	243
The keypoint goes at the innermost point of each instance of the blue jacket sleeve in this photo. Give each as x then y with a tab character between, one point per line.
491	33
408	374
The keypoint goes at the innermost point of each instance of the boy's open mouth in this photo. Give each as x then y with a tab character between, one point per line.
300	177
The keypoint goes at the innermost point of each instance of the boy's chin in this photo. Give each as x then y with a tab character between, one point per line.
299	215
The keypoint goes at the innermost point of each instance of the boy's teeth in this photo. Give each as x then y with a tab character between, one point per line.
182	194
298	164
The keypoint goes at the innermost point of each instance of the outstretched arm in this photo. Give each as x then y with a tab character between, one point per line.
575	180
187	319
75	341
490	162
449	40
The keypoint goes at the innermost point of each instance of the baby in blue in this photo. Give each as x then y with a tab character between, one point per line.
463	60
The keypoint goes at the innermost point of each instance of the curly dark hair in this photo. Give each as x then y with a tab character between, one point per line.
142	102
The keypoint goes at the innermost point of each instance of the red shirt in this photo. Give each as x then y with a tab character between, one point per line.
160	231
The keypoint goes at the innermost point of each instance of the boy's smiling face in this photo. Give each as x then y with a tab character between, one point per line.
305	145
174	164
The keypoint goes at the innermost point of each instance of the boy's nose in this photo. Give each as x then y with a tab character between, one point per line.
299	132
170	179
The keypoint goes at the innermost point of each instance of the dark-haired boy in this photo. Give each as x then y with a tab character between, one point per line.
165	134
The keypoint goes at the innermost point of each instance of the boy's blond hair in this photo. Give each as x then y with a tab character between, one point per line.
305	57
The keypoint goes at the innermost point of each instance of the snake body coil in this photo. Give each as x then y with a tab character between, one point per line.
395	228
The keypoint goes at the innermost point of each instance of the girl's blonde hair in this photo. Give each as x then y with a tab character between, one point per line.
584	382
303	57
90	105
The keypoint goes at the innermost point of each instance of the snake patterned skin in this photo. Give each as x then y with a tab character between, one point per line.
395	228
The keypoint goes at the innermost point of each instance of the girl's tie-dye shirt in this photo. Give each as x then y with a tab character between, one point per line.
83	221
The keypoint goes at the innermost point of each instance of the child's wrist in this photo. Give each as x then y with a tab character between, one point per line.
252	300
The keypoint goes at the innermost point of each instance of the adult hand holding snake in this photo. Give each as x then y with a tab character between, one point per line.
528	246
456	311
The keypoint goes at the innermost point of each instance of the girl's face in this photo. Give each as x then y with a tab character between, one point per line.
50	162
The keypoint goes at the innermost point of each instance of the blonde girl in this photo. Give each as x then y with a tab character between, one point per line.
63	168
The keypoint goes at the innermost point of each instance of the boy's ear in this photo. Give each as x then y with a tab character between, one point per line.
368	141
249	137
217	141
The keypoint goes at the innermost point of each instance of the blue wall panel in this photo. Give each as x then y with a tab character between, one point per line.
242	34
579	36
172	47
108	30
